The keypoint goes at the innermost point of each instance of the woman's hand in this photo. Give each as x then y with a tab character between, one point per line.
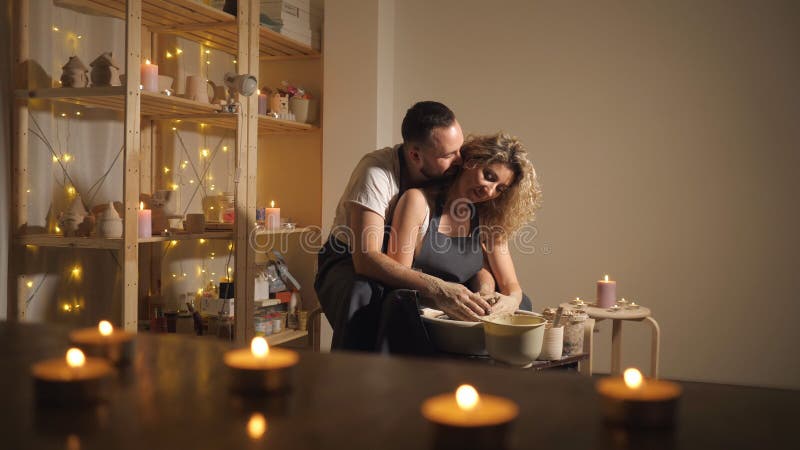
505	304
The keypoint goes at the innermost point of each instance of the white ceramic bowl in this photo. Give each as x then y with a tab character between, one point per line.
455	336
515	339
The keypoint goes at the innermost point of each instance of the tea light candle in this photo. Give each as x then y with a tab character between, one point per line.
635	402
606	292
272	217
262	103
105	342
145	222
468	420
149	76
71	381
260	369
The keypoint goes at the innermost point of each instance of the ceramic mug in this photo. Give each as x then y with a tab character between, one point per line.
197	89
195	223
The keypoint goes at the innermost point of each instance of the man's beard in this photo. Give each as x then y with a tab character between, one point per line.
448	174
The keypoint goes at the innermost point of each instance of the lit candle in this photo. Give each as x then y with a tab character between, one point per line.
606	293
256	426
262	103
260	369
71	381
105	342
272	217
636	402
145	222
468	420
149	76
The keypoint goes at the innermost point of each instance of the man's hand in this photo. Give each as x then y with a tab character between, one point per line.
460	303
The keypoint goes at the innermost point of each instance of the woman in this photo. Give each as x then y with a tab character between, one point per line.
460	232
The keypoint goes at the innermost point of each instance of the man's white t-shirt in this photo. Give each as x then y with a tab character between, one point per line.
374	184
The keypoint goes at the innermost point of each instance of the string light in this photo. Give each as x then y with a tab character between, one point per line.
76	272
71	190
78	113
202	241
67	157
230	246
29	284
204	153
178	51
168	54
224	149
191	181
174	276
55	28
212	187
174	129
63	114
174	187
208	52
173	242
183	164
55	158
58	230
166	169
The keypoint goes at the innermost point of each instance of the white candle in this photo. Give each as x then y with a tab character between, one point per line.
606	292
145	222
272	217
149	76
262	103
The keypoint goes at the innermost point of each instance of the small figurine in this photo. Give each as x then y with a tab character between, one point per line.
70	221
110	224
105	71
74	73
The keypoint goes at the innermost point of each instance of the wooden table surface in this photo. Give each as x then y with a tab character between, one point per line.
176	397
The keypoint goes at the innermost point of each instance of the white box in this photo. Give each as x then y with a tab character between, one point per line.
296	12
301	38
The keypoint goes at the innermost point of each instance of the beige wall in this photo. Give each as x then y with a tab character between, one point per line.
665	135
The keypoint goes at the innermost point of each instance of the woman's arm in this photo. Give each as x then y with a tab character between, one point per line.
502	266
409	214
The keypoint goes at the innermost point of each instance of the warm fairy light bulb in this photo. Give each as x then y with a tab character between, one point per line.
75	358
29	284
71	190
259	347
256	426
105	328
55	158
234	61
204	153
173	242
466	397
212	187
174	129
191	181
76	271
208	52
63	114
202	241
166	169
67	157
66	307
78	113
230	247
224	148
178	51
55	28
168	55
633	378
174	187
58	230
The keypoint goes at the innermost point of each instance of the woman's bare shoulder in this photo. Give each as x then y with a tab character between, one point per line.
413	204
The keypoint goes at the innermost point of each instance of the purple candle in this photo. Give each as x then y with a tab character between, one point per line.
606	293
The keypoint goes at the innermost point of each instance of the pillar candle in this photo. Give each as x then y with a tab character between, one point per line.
262	103
606	293
145	222
149	76
273	217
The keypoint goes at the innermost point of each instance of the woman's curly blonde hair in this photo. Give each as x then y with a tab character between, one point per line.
506	214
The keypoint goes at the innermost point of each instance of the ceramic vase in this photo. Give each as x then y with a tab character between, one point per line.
110	224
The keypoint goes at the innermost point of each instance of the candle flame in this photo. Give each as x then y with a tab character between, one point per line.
605	277
466	397
259	347
147	61
272	204
256	426
633	378
105	328
75	358
141	206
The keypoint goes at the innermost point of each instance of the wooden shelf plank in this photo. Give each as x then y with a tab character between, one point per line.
285	336
181	18
54	240
227	235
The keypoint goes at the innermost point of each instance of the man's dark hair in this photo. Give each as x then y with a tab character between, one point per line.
422	118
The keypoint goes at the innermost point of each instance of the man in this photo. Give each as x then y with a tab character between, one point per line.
352	267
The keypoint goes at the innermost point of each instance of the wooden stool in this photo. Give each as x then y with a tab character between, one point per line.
638	315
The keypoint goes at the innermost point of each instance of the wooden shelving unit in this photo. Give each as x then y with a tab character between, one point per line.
199	23
241	36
